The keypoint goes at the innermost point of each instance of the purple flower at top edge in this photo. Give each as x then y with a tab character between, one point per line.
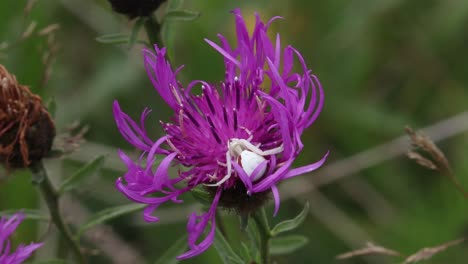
237	138
22	252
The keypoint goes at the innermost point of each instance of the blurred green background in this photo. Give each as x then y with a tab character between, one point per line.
383	64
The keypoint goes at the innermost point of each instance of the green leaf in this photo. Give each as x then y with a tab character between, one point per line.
52	107
174	4
181	15
244	221
245	252
55	153
135	30
286	244
32	214
253	234
177	248
291	224
84	173
225	251
201	195
53	261
116	38
109	214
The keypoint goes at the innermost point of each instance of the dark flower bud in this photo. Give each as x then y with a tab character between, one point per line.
135	8
237	199
26	127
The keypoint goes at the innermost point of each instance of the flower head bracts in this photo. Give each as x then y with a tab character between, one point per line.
26	127
237	139
22	252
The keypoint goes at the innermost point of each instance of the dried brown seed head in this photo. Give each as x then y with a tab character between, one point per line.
26	128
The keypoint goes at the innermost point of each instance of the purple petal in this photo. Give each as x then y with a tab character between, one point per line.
276	198
223	52
160	73
162	173
267	182
305	169
198	229
130	130
243	176
22	252
148	211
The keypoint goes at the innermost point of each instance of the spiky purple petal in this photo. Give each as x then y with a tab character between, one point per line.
22	252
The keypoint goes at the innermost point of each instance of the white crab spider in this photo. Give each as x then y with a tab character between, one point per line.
250	157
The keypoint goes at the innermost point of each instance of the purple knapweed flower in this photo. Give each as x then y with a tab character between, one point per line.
7	227
237	139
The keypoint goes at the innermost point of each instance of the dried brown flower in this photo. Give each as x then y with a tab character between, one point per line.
26	127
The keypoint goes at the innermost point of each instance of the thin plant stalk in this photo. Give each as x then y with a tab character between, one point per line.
220	224
153	30
263	227
50	195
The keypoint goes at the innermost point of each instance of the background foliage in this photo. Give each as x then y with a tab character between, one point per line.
384	64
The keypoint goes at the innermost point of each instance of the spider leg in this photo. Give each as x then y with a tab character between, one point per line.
228	174
260	152
248	133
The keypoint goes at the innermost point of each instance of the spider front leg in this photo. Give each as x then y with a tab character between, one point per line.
228	174
260	152
248	133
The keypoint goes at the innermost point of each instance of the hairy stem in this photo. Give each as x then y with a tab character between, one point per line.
264	230
50	196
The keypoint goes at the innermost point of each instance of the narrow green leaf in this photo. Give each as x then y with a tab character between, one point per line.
52	107
116	38
177	248
245	252
287	244
174	4
109	214
253	234
291	224
135	30
225	251
244	221
32	214
84	173
201	195
53	261
181	15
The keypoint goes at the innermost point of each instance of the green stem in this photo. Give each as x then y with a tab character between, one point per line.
220	224
264	230
50	195
153	30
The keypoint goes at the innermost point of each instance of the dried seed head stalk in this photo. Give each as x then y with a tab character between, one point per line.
426	145
427	253
369	249
435	159
26	128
